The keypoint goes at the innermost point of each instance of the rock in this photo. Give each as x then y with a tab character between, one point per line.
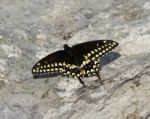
2	84
1	37
30	30
11	50
2	54
3	68
41	39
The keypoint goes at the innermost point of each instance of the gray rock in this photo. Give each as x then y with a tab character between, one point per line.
2	84
30	30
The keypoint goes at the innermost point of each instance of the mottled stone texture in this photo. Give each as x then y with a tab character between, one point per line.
31	29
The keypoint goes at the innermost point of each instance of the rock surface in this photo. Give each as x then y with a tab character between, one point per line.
29	30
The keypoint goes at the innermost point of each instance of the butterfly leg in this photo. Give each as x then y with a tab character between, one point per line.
99	77
82	82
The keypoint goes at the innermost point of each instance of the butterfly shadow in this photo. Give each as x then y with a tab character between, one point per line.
109	57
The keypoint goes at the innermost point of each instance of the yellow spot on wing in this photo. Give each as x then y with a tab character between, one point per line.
100	53
89	54
38	63
37	70
84	63
68	65
60	64
94	66
87	61
99	48
73	74
88	71
95	50
82	72
103	51
86	57
40	70
72	66
114	43
64	63
55	64
68	72
92	70
92	52
97	56
64	73
60	69
93	58
95	62
107	49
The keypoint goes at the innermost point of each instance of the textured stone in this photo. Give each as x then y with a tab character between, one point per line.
3	68
11	50
2	84
41	39
30	30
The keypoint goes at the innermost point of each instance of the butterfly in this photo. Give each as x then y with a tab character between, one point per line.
81	60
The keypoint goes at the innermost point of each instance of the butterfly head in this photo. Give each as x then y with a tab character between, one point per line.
66	47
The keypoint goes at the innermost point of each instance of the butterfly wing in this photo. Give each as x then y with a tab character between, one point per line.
88	54
51	65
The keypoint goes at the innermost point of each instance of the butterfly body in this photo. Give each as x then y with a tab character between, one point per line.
81	60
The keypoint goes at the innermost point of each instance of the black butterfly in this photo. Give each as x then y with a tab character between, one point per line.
81	60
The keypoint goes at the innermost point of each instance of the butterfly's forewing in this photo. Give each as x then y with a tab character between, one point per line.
51	65
89	54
